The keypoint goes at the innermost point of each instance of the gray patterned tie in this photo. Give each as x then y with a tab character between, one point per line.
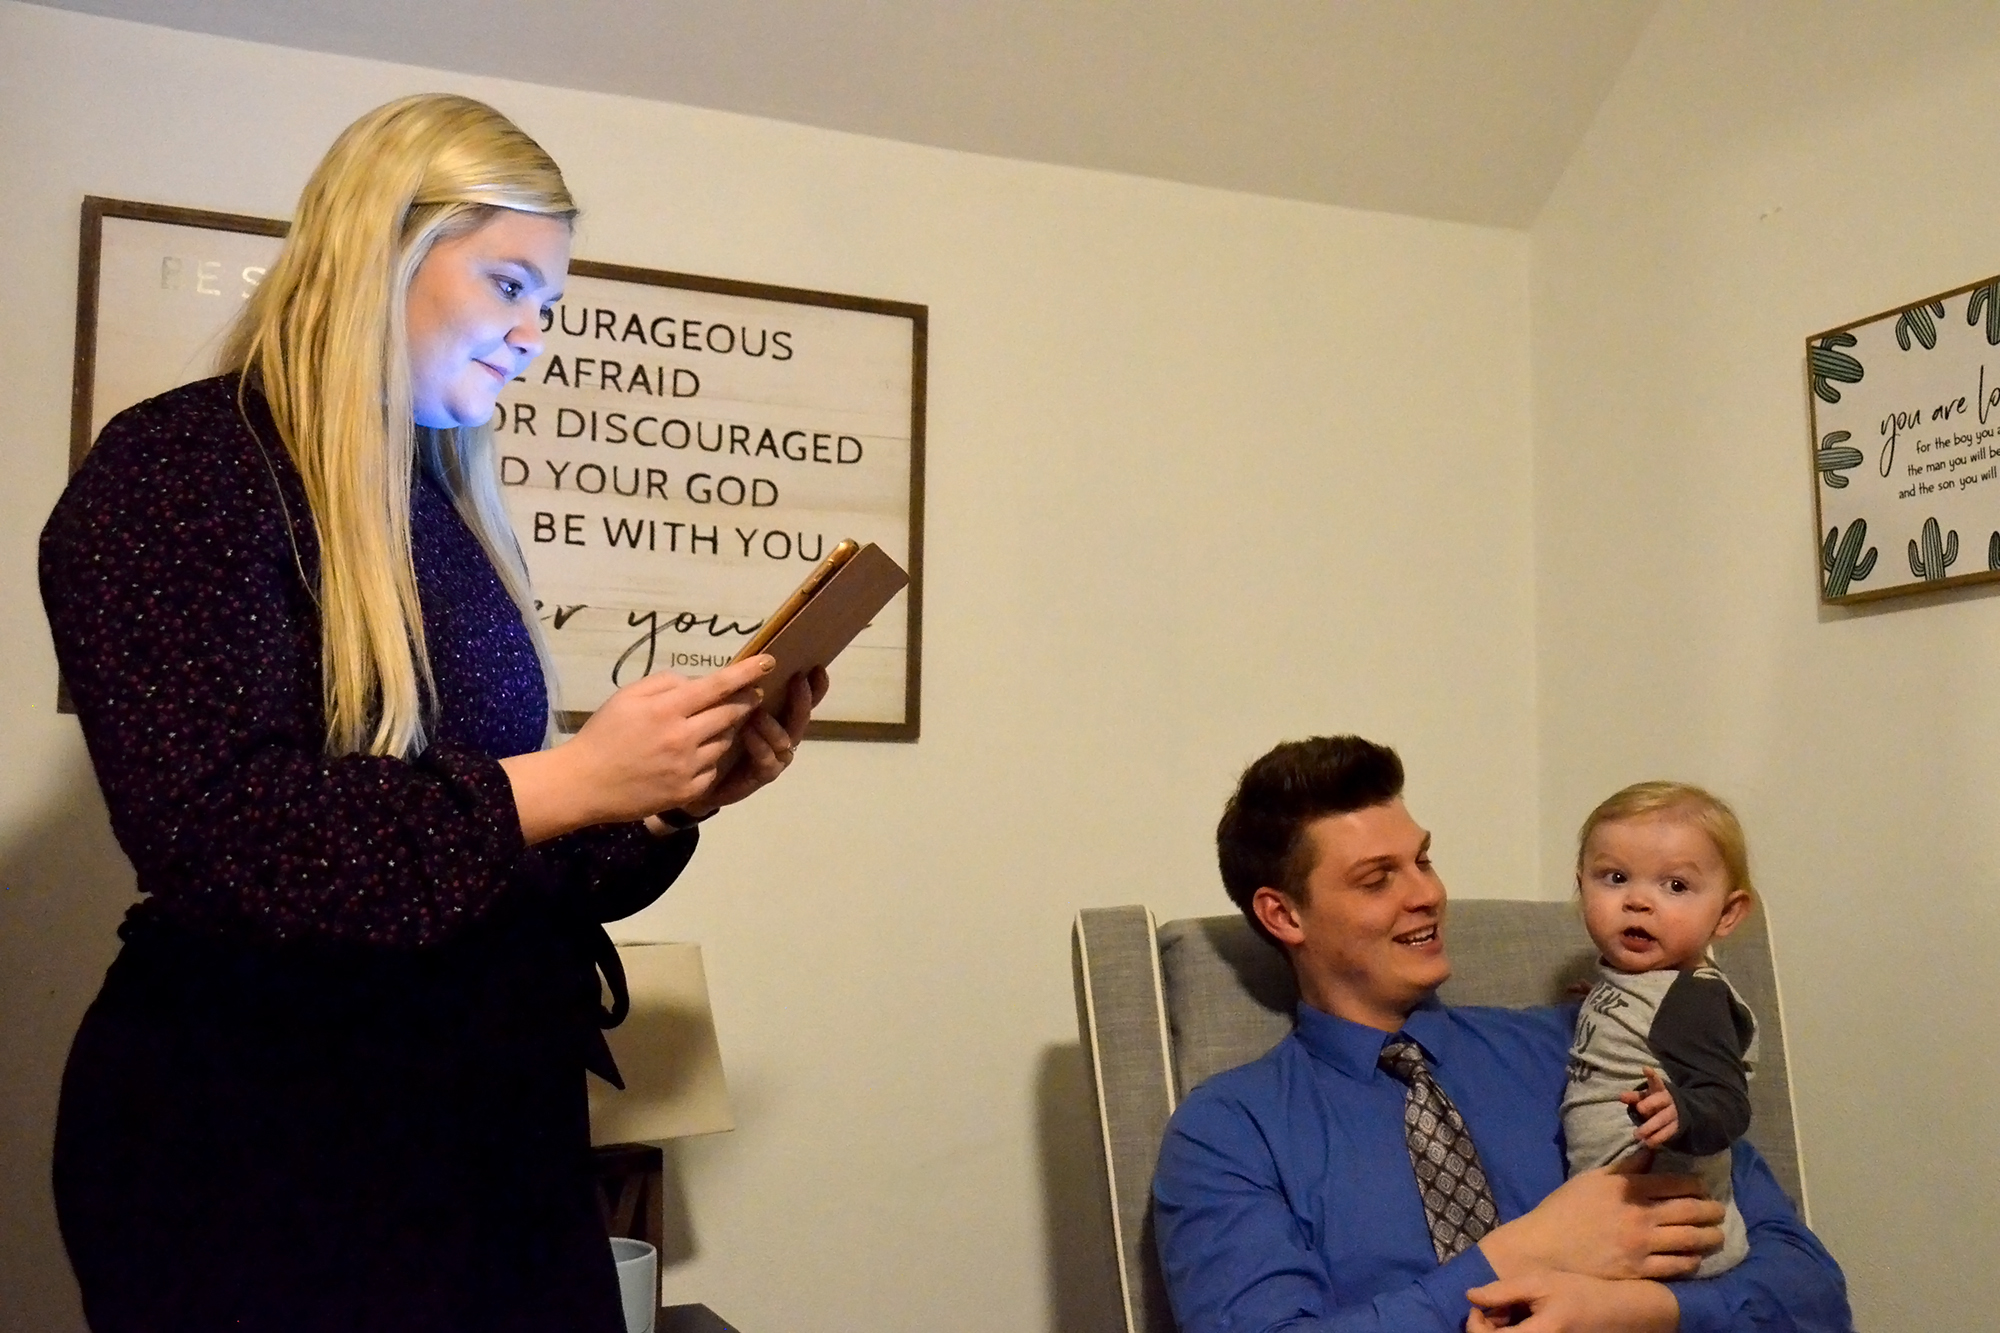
1458	1203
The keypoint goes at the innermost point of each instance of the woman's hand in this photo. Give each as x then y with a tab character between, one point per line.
768	746
654	745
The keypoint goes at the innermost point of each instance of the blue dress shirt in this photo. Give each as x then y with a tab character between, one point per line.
1285	1200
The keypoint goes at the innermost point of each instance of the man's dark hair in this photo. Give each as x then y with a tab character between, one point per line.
1261	838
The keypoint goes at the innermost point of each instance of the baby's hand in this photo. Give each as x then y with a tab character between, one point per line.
1659	1119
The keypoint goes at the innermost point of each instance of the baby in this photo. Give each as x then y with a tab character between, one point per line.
1663	1042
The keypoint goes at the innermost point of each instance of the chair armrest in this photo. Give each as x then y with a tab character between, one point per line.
1121	1020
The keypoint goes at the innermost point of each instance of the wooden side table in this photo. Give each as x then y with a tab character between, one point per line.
628	1197
628	1190
691	1319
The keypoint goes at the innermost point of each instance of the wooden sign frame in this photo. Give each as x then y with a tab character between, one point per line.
1904	408
829	411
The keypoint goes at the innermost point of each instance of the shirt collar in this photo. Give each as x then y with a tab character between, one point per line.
1355	1048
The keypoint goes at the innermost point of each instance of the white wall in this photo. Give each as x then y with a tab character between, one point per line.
1763	172
1206	471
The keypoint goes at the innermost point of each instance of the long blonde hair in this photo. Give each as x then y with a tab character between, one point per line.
324	339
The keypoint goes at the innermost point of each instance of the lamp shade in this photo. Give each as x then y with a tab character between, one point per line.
666	1051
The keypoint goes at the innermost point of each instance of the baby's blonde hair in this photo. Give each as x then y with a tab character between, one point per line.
1705	810
324	338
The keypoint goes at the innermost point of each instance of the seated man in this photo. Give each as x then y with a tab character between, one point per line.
1286	1196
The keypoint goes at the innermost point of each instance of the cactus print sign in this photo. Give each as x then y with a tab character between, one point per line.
1905	410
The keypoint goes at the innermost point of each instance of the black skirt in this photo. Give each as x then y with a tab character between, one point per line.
320	1140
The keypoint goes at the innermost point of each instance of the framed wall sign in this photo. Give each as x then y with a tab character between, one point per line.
681	455
1905	412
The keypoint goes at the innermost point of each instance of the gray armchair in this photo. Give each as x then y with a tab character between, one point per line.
1159	1010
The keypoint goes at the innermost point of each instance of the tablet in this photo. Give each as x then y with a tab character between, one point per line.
825	613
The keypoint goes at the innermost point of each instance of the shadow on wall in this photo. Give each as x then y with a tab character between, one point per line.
64	887
1911	601
677	1239
1076	1200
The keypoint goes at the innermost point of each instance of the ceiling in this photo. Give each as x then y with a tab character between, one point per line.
1465	110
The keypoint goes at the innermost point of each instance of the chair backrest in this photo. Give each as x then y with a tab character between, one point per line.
1160	1010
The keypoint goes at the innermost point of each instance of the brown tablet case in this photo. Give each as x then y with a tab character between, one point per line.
841	609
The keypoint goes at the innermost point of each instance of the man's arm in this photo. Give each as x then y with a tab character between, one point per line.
1614	1222
1556	1302
1236	1256
1789	1283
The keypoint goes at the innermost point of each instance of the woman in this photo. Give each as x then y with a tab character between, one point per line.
334	1079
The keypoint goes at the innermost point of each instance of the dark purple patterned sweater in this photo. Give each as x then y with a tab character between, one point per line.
176	586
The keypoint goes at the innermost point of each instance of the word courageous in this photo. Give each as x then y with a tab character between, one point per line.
710	437
657	534
686	335
700	487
